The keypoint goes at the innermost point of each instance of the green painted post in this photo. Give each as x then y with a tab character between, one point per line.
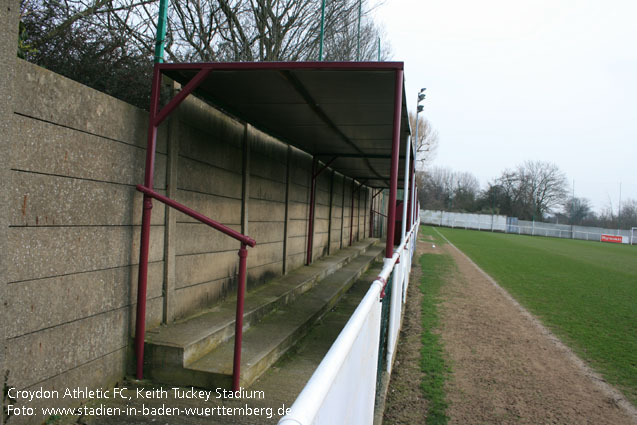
358	42
161	31
322	28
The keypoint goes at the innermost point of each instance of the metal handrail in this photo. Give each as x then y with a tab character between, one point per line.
200	217
307	404
243	254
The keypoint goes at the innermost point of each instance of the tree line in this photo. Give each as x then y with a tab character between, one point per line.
109	44
534	190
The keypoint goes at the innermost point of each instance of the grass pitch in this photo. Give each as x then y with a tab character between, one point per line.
585	292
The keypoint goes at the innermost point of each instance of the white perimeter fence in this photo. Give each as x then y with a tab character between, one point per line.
342	390
502	223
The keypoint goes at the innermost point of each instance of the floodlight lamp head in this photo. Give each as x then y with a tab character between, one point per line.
420	108
421	97
422	90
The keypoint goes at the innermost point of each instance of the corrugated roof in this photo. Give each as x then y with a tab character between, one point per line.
328	109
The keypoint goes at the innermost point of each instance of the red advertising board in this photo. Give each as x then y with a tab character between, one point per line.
611	238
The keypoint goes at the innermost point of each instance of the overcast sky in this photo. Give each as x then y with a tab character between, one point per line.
509	81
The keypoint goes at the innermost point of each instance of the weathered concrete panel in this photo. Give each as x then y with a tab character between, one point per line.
9	21
46	148
297	228
51	97
270	147
321	225
225	210
44	354
264	273
39	252
266	232
320	239
301	171
42	200
296	260
335	242
336	211
322	212
297	245
320	246
154	314
261	210
76	296
299	193
270	190
298	211
198	238
223	129
103	372
264	166
265	254
200	268
192	298
211	148
322	197
203	178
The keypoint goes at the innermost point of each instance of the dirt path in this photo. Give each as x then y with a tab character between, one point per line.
405	403
506	369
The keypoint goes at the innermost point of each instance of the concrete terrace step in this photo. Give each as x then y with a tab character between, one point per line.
268	340
170	349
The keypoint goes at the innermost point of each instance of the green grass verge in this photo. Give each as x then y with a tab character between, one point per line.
585	292
432	360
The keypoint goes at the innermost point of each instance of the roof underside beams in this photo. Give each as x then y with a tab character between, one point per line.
342	110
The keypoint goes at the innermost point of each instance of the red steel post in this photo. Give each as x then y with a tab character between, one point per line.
393	183
413	197
142	280
238	329
409	196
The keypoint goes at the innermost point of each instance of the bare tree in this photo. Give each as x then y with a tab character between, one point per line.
108	44
251	30
427	142
577	210
65	37
532	189
442	188
624	219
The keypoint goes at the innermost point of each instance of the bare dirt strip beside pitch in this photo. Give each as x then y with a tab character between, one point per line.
508	369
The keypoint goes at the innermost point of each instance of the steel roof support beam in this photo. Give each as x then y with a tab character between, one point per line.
393	184
156	117
359	155
403	225
185	91
298	86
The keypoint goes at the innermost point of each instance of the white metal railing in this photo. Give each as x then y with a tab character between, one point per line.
330	396
537	231
522	228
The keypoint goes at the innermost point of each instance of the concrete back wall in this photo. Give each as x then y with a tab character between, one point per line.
73	223
9	17
73	236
